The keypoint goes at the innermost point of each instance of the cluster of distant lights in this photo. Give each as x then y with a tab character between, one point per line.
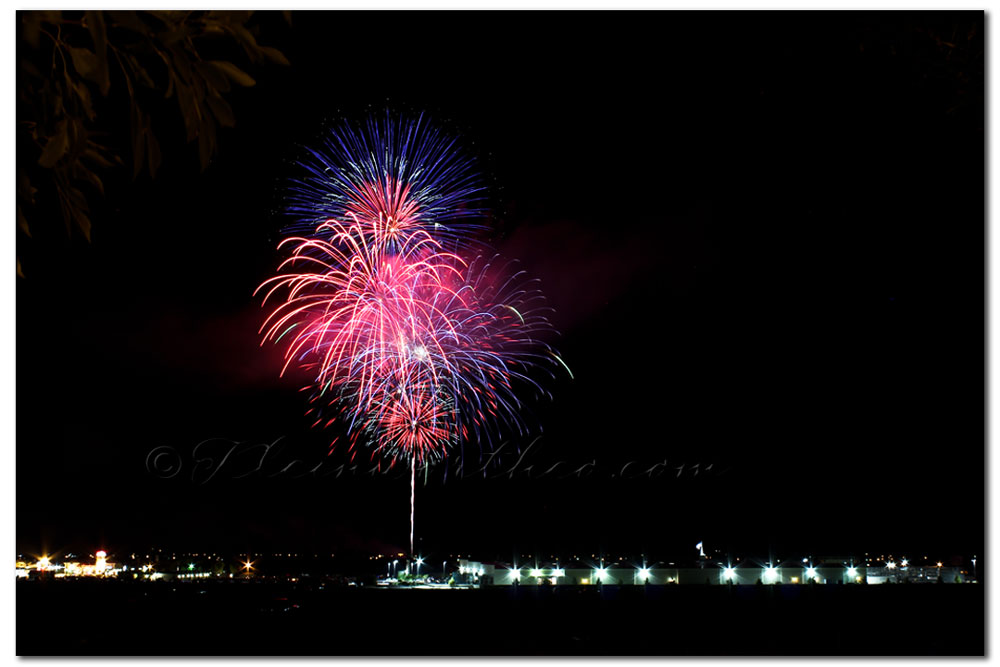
102	568
770	573
600	573
478	572
515	573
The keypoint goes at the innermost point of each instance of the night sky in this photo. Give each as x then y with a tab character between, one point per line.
762	235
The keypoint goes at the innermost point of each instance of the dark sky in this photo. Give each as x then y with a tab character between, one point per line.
762	235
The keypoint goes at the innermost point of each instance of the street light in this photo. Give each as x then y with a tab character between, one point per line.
729	573
420	561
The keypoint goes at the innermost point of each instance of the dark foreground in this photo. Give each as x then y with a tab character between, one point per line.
232	618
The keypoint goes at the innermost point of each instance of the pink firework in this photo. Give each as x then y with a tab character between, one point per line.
357	309
415	421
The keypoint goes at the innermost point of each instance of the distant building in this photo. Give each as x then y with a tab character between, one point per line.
829	571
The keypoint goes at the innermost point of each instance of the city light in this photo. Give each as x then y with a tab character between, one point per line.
184	567
101	562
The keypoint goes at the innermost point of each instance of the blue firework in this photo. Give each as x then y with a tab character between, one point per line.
394	175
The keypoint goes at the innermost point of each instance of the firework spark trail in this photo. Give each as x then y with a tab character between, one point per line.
413	499
414	349
358	307
491	338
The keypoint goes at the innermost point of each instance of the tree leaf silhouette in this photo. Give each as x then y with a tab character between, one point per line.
237	75
69	56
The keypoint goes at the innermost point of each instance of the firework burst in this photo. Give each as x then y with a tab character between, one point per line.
402	175
353	306
414	349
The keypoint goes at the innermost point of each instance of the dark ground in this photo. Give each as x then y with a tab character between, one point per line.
224	618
